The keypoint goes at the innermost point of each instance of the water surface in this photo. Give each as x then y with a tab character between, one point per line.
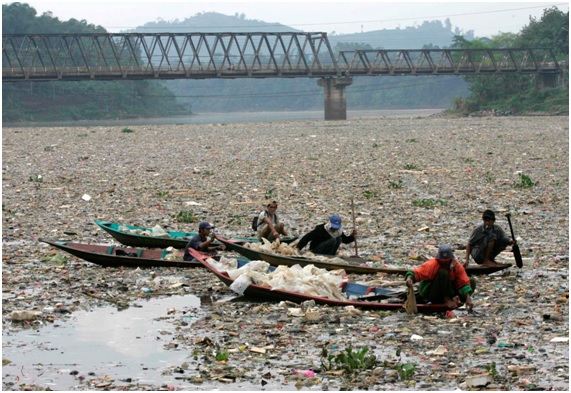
127	344
235	117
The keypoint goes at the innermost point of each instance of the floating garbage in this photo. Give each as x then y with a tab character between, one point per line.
559	340
304	373
479	380
408	200
24	315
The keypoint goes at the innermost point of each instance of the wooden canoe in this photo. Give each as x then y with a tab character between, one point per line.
354	265
112	256
134	236
361	296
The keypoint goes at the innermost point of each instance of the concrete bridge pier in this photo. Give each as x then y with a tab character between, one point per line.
545	81
334	97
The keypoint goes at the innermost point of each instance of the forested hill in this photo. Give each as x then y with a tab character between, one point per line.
45	101
429	34
212	22
303	93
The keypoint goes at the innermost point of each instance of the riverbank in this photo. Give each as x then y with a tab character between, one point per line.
416	182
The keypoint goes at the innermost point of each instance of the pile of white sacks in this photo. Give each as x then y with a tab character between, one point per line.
276	247
308	280
156	231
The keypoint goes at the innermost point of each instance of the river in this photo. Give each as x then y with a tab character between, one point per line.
232	117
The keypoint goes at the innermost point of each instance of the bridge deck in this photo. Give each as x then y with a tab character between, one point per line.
44	57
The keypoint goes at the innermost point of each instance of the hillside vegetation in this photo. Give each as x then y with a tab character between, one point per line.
519	93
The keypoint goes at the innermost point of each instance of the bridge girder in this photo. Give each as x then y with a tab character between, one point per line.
110	56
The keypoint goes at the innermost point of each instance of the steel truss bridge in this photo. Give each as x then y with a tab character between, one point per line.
162	56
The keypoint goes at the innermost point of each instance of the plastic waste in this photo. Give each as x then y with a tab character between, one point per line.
240	284
304	373
559	339
24	315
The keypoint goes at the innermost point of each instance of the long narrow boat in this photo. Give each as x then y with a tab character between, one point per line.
135	236
353	265
112	256
358	295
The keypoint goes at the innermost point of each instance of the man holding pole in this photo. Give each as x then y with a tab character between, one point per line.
326	238
487	241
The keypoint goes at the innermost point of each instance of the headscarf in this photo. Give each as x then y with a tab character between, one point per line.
334	233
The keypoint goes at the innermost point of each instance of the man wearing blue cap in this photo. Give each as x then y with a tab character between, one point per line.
202	241
326	238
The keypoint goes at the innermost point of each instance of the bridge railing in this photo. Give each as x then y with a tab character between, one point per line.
447	61
167	55
111	56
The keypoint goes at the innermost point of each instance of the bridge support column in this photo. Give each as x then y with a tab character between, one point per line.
545	81
334	99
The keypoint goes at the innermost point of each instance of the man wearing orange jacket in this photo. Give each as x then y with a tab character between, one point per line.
443	280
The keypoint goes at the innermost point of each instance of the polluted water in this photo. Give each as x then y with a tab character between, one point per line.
110	344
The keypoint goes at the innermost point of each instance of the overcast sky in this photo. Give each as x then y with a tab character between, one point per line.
485	18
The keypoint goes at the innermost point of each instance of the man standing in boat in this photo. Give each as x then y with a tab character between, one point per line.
487	241
202	241
443	280
326	238
269	225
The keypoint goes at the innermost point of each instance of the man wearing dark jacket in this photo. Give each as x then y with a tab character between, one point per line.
326	238
202	241
487	241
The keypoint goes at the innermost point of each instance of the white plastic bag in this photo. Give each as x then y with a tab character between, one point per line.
240	284
159	232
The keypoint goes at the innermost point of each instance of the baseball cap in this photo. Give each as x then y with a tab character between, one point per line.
445	252
335	221
205	225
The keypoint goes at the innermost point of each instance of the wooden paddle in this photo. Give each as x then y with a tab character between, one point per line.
515	247
410	304
354	226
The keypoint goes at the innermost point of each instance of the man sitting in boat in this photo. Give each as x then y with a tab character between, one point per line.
443	280
326	238
269	225
487	241
202	241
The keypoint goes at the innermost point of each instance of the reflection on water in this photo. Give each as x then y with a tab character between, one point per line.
237	117
130	333
130	341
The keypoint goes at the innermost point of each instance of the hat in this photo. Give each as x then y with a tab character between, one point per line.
204	225
335	222
445	252
488	214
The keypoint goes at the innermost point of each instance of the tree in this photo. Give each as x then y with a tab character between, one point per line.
77	100
551	31
350	46
517	92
